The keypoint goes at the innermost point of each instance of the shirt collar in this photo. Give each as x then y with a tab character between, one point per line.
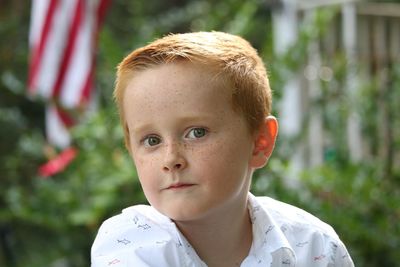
269	245
269	242
191	258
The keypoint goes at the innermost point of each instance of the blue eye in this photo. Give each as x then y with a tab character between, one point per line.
196	133
151	141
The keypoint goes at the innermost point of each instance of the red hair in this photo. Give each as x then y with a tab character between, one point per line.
230	56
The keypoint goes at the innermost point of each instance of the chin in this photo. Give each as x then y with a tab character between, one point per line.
182	217
183	214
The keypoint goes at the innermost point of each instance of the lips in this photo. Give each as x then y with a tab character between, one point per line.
178	186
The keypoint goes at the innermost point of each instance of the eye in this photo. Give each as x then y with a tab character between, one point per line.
151	141
196	133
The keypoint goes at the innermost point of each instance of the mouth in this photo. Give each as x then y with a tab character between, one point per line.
179	186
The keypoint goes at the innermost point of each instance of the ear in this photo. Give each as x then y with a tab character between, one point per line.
264	142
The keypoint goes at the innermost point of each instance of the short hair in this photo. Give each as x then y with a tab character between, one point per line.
231	56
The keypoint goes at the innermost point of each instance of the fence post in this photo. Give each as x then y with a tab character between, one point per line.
349	29
315	126
285	29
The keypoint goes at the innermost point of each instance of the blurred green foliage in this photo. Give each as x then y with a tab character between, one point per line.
53	221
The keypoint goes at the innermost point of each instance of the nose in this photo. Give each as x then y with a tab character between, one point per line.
174	159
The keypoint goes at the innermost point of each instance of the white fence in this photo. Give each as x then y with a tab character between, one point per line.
368	36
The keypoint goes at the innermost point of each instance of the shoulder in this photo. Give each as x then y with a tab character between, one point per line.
291	216
129	237
140	217
314	242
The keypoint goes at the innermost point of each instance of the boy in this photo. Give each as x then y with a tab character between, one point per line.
195	109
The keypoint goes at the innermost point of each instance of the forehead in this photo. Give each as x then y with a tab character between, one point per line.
177	84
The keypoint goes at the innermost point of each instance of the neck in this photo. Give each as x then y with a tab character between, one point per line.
222	239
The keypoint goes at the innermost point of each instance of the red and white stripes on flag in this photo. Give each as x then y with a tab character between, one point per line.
63	36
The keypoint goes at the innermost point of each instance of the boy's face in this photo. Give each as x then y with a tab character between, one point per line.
192	152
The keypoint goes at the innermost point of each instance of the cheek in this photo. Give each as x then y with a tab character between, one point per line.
145	168
215	158
230	158
145	161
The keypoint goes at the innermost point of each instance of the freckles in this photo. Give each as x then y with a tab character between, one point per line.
211	149
150	163
211	154
143	163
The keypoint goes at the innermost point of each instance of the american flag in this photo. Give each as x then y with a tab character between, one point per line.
62	43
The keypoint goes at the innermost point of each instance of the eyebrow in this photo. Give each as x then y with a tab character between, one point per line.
186	119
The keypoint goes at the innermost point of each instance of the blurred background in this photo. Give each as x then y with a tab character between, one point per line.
334	66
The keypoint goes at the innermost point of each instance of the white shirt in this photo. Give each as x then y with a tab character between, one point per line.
283	235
